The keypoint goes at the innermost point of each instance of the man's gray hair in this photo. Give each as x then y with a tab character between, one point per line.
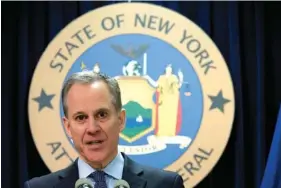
89	77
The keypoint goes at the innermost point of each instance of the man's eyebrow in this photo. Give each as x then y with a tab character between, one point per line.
101	109
96	111
77	113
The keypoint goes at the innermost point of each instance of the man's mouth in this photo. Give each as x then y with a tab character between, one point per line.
94	142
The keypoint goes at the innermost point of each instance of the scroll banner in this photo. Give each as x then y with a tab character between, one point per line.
155	144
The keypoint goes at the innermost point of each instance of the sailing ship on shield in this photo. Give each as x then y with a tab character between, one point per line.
162	117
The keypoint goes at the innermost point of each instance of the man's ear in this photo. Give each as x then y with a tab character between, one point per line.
122	119
67	126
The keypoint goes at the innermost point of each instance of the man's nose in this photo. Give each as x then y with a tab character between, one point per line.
93	125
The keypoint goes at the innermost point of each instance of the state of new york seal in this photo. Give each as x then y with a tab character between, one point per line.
175	85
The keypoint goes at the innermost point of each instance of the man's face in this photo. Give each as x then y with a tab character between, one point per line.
93	123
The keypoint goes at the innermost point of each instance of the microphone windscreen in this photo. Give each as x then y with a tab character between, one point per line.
83	183
121	184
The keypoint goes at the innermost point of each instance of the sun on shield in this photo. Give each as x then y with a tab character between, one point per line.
137	100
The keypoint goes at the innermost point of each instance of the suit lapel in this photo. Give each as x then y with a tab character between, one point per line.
68	177
132	173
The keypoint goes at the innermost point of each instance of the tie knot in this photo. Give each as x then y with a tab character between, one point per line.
98	176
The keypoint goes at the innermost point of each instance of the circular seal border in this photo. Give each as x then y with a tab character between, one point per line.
213	121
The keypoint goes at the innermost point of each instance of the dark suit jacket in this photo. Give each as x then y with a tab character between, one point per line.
138	176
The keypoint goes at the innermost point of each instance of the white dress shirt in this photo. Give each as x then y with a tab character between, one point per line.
114	170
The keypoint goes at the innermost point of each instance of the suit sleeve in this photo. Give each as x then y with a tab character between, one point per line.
26	184
178	183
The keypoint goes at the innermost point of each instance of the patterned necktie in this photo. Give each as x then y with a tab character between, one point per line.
99	179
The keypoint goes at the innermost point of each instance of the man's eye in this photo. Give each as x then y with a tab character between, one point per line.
102	115
80	118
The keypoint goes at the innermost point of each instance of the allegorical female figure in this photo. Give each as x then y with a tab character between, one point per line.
168	104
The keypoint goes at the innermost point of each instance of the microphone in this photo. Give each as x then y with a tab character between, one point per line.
83	183
121	184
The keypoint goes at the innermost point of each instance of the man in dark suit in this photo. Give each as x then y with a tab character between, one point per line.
93	120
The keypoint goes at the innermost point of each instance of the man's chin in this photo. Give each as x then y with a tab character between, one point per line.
95	157
100	156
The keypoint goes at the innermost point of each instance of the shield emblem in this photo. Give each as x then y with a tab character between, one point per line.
137	100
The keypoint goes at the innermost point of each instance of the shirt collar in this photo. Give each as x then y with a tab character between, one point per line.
114	168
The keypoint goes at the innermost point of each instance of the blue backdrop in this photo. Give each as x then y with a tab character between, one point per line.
247	33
